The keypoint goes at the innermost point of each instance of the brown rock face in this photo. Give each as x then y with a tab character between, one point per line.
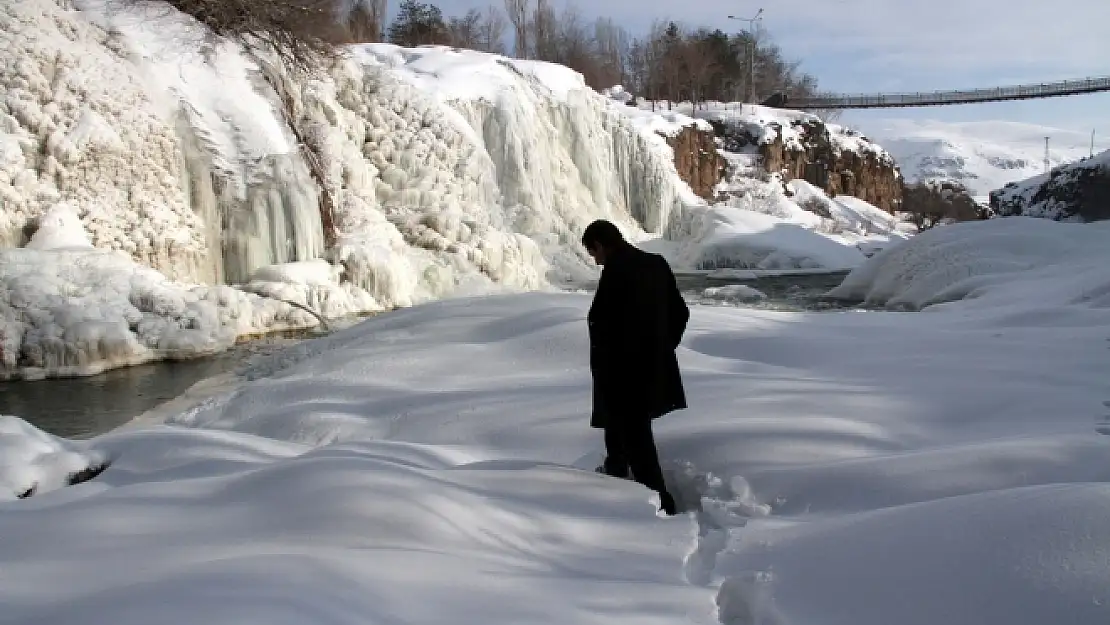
697	160
869	175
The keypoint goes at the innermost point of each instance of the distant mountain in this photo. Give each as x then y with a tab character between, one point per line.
983	156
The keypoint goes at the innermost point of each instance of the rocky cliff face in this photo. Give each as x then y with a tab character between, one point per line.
1077	191
697	160
801	146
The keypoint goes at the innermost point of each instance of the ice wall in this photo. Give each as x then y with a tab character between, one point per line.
171	151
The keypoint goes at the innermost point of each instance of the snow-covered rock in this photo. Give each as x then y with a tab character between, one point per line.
800	146
1078	191
33	462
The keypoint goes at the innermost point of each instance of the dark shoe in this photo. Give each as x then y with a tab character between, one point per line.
667	503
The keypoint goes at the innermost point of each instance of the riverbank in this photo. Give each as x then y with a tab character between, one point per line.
81	407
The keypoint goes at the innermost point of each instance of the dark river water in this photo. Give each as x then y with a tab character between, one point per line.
83	407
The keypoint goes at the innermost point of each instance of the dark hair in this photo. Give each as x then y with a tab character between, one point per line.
602	233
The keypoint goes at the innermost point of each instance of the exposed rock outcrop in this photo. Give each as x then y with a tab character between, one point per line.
797	145
1077	191
697	160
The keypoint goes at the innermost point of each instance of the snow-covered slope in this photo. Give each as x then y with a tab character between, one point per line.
1077	191
983	156
1016	263
864	469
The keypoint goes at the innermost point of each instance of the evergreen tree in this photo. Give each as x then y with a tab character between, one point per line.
419	24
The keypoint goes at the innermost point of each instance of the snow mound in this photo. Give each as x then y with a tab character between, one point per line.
33	461
1074	191
927	563
982	156
201	525
60	229
734	293
760	227
998	263
731	238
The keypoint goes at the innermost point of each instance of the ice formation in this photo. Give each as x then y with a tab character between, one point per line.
69	309
399	176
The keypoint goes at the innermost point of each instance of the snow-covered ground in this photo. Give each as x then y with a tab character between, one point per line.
983	156
433	465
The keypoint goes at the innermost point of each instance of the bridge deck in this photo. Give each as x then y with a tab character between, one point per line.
941	98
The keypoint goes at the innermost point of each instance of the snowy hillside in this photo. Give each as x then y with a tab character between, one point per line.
983	156
1074	191
849	469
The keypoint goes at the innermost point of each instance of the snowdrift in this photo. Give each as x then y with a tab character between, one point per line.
859	468
1003	264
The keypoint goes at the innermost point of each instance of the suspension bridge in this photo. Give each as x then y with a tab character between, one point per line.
942	98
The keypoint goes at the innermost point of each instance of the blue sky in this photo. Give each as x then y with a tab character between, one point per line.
899	45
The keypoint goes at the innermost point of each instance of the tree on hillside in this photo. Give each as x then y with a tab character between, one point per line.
419	24
613	49
518	11
302	32
491	31
933	203
464	31
365	22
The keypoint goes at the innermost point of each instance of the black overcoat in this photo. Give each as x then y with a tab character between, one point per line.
636	322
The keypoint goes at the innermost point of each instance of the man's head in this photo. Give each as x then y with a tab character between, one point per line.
601	239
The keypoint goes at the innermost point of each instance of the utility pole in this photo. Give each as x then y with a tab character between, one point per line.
1092	143
1046	161
751	51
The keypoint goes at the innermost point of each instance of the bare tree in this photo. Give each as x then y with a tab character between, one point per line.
698	67
465	31
544	31
518	11
491	31
365	21
303	33
613	50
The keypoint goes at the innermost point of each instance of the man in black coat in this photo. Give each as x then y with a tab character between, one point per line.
636	322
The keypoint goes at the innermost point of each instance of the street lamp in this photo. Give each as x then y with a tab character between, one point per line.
751	53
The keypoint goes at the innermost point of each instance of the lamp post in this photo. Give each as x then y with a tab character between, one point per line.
751	53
